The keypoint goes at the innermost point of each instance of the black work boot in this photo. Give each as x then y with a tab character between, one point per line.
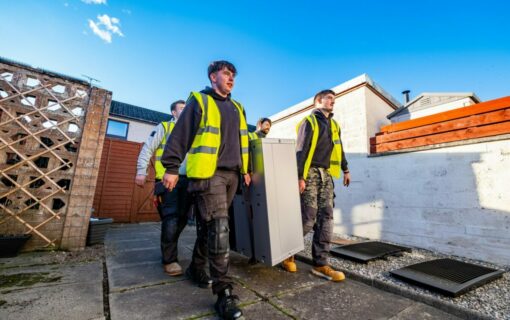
226	305
200	277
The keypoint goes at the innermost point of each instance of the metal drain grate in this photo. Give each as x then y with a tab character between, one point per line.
366	251
447	276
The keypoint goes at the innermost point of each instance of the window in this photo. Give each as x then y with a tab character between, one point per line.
117	129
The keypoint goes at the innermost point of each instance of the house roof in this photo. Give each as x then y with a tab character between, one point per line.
432	99
343	88
129	111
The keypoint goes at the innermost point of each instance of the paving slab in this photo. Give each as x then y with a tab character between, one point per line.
69	301
132	234
269	281
423	312
49	275
133	244
259	310
132	257
141	275
344	300
179	300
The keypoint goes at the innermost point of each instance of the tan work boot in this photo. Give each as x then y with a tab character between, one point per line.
173	269
289	264
328	273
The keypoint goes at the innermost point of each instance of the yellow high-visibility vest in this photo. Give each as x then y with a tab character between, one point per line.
160	170
252	136
336	155
203	155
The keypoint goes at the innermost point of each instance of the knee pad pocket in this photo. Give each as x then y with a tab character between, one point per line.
218	236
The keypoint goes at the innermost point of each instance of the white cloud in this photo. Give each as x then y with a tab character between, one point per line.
94	1
105	27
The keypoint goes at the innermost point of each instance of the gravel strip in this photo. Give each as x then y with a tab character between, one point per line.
491	300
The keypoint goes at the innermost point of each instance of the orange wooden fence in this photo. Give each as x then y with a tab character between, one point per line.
485	119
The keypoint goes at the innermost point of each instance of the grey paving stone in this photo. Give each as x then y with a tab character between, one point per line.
344	300
141	275
131	235
424	312
72	301
179	300
259	310
271	281
133	244
49	275
131	257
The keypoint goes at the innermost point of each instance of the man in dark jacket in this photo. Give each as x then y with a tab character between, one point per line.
320	157
212	129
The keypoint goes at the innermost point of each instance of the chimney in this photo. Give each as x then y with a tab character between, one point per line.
406	96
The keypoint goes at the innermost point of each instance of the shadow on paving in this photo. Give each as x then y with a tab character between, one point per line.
139	289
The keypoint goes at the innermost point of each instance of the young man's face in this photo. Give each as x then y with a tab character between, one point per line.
178	110
265	127
327	102
223	81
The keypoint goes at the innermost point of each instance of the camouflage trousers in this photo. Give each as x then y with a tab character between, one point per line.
317	212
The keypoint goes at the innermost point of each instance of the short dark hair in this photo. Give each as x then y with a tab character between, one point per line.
262	120
216	66
322	93
175	103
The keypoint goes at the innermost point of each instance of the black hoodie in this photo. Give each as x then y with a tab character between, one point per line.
181	139
322	155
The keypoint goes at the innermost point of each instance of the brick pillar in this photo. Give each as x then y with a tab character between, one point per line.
87	168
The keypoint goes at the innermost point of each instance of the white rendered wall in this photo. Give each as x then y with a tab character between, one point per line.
453	200
137	131
349	111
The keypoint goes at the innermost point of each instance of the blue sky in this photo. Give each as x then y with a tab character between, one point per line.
285	51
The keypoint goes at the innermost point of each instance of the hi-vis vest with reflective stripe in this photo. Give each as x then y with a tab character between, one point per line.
336	154
252	136
203	155
160	170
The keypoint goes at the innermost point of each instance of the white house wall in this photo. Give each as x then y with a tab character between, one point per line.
137	131
454	200
349	111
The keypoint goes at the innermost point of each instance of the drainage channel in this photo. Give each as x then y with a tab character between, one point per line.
106	292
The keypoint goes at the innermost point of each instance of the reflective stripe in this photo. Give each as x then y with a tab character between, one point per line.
245	150
210	129
334	162
243	132
205	102
202	149
158	158
336	142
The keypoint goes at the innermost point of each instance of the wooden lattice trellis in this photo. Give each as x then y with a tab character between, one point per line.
42	120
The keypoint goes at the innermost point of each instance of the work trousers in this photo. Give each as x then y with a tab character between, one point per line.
173	210
213	197
317	212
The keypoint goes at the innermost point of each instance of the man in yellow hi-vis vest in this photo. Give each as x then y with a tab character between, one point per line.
213	132
263	127
172	206
320	158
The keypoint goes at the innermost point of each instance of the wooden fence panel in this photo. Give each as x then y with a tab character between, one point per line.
117	195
